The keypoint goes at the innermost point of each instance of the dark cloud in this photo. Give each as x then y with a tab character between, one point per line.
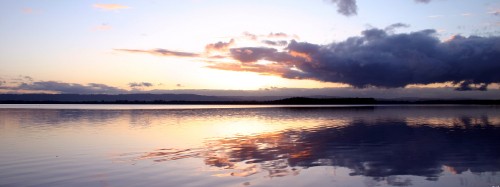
275	43
346	7
219	46
382	59
139	84
252	54
61	87
349	7
161	52
394	26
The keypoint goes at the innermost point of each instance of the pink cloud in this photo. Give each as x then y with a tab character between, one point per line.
110	6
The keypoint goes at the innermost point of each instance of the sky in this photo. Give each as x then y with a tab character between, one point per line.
124	46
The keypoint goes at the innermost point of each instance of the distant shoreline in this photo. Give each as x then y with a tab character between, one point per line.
287	101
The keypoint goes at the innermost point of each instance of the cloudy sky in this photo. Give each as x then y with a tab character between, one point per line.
121	46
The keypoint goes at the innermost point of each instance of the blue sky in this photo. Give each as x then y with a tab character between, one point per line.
76	41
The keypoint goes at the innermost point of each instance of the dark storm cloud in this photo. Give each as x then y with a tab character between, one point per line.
349	7
61	87
161	52
382	59
139	84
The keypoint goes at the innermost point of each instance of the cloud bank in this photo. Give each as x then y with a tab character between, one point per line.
261	94
380	58
377	58
65	88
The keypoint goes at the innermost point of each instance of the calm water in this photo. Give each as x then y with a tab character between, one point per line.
141	145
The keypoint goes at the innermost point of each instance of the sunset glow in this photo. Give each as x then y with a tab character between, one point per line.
226	45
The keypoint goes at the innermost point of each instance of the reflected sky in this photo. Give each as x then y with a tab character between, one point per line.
345	146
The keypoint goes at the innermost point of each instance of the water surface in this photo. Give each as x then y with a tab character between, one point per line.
165	145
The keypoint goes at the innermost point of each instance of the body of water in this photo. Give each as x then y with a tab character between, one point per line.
228	145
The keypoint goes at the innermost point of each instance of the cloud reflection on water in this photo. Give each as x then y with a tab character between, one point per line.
375	145
381	147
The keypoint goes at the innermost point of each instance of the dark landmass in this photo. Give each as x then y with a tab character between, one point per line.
201	99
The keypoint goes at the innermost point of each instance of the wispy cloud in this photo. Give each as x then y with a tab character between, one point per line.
435	16
250	36
495	12
466	14
272	35
110	6
102	27
278	35
161	52
393	27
